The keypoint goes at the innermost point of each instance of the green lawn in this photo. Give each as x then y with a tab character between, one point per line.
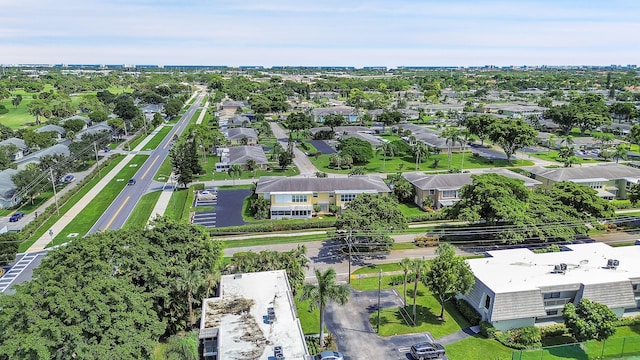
142	211
210	174
407	163
309	320
410	209
164	170
374	269
478	348
92	212
273	240
179	206
554	156
66	206
18	117
157	139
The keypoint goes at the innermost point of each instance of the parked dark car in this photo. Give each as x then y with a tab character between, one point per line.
16	216
427	350
131	182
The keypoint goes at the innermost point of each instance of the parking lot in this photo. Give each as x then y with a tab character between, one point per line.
227	208
322	146
353	331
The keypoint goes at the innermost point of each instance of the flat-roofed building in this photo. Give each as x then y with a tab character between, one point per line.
517	287
253	317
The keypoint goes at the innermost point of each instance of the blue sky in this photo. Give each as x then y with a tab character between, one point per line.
328	32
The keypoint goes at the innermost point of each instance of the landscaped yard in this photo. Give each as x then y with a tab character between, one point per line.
554	156
407	163
478	348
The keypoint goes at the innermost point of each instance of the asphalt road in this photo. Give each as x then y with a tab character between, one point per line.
121	208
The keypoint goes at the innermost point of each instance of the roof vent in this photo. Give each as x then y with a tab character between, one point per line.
559	269
612	264
278	353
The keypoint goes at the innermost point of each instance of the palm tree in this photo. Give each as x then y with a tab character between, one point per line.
405	265
235	171
465	135
551	141
387	149
212	279
179	348
418	267
568	141
326	290
251	165
420	150
190	281
621	152
452	136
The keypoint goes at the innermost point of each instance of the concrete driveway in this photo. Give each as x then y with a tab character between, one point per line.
356	338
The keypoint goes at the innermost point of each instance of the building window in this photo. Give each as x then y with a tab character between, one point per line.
487	301
347	197
331	195
450	194
298	198
315	195
553	295
432	192
552	312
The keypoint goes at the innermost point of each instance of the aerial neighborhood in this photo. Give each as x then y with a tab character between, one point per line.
304	212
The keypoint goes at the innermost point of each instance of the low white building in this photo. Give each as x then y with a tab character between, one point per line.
253	317
517	288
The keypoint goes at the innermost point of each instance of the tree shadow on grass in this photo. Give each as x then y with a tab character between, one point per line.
424	315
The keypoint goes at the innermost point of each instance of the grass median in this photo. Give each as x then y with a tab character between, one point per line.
140	215
91	213
157	139
67	205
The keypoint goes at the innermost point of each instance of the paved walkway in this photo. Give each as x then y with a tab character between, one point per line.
203	113
75	210
459	335
163	201
300	160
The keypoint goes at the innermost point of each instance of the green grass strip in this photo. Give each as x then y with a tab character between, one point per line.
142	211
68	205
228	244
98	205
157	139
176	204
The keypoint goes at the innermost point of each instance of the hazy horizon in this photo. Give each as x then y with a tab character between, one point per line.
289	33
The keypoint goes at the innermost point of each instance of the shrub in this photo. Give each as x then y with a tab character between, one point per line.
397	280
272	226
424	241
504	339
487	330
621	204
628	321
553	330
468	311
428	216
528	336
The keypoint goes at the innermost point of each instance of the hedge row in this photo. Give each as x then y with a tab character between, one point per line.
468	311
273	226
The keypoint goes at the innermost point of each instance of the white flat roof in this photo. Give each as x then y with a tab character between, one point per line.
521	269
240	313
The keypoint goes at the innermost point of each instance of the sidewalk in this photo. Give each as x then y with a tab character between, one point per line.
75	210
203	113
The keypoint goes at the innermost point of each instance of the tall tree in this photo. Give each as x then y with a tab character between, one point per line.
479	126
405	266
386	149
420	150
452	136
327	290
512	135
235	171
334	120
418	268
448	275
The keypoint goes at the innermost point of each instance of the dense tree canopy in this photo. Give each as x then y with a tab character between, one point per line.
111	295
359	150
512	135
589	320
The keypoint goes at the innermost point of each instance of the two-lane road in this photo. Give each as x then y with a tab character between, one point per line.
121	208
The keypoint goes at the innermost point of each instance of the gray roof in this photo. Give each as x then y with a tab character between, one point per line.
336	110
240	155
99	127
608	171
238	120
517	305
341	129
239	133
371	139
268	184
76	117
59	129
617	294
14	141
456	181
234	104
152	108
36	156
7	187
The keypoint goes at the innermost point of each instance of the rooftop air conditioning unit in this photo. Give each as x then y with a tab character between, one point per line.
612	264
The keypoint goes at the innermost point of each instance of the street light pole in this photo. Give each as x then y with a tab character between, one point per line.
379	285
95	149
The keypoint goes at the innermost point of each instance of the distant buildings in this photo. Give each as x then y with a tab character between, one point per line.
253	317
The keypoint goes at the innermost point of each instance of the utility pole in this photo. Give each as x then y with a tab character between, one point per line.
349	244
95	149
379	285
55	194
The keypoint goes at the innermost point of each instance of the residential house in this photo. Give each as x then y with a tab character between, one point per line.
21	147
432	109
439	190
236	136
238	121
8	198
295	197
350	114
233	106
36	156
611	181
253	317
582	142
429	136
371	139
517	287
342	130
58	131
94	129
515	110
240	155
